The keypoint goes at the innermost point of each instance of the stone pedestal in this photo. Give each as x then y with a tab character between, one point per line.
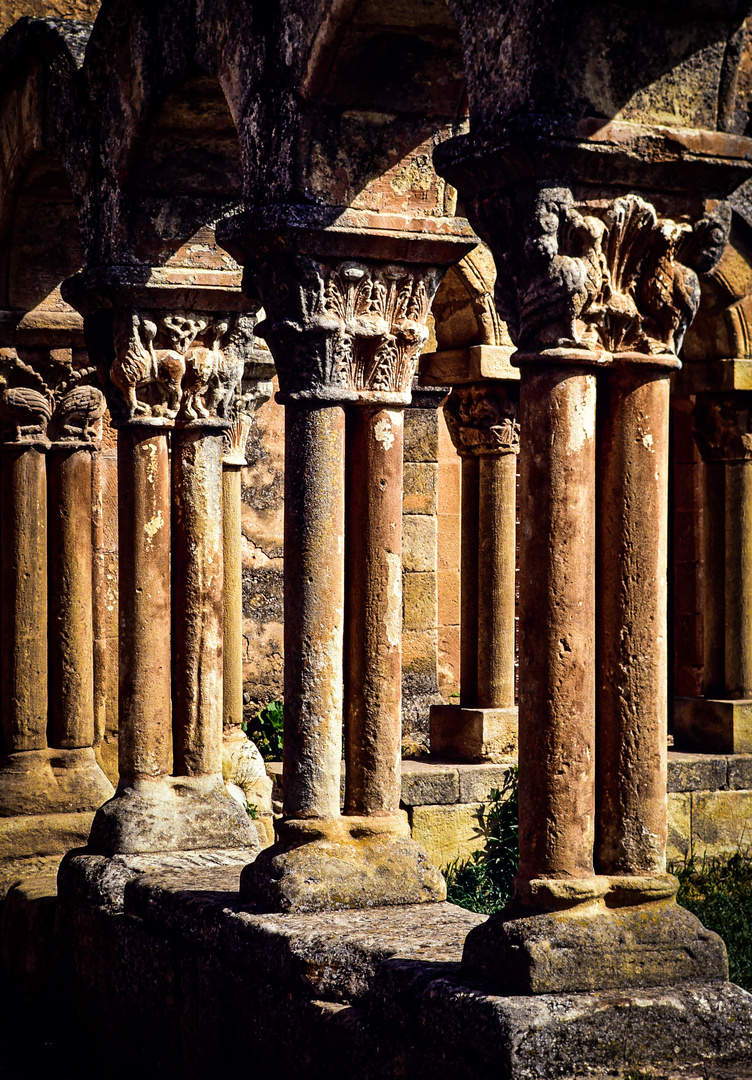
346	319
481	414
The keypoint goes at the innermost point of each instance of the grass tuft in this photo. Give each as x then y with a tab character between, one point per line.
718	891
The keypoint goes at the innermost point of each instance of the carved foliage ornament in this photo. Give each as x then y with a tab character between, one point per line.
352	326
482	419
45	398
603	276
185	366
723	427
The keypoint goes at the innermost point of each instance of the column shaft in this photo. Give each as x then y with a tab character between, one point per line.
469	582
632	614
71	670
197	602
738	580
496	572
557	624
145	731
374	623
314	608
232	646
23	598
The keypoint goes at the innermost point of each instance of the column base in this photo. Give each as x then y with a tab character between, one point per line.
172	813
473	735
334	864
714	726
632	935
51	782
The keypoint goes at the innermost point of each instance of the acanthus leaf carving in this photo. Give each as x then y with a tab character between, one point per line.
45	398
608	276
482	418
345	327
183	366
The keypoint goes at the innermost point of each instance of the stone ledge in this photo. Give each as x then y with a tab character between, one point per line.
367	995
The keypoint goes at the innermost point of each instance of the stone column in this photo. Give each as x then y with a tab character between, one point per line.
47	672
173	377
583	287
256	390
373	676
632	622
345	324
482	419
721	721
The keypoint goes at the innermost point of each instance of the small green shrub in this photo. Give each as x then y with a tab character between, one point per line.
483	883
719	892
251	810
266	731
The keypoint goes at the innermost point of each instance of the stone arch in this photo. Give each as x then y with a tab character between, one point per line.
43	160
169	99
388	82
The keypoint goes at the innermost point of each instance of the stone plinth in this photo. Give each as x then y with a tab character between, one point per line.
461	733
717	727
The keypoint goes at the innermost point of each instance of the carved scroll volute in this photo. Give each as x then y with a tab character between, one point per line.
723	427
350	330
482	418
45	398
602	276
185	366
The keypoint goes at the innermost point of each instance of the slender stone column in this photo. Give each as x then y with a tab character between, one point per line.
496	561
256	390
557	628
199	602
469	553
721	721
374	653
71	719
145	730
482	420
314	608
632	623
24	597
346	319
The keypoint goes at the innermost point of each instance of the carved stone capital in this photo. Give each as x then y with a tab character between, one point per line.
45	399
256	388
184	366
482	419
345	329
606	277
723	427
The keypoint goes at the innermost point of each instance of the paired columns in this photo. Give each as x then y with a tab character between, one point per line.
174	377
52	428
482	418
346	319
597	292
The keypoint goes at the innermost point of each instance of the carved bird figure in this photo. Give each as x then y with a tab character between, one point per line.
26	410
80	412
